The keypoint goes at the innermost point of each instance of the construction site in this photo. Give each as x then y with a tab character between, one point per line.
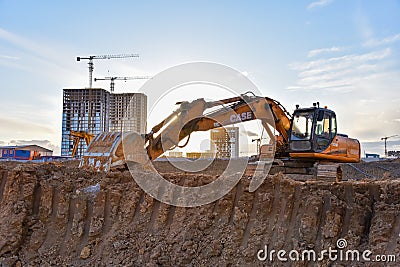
200	133
90	210
57	214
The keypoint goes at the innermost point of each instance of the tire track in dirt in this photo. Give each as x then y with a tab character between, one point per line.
293	217
3	181
242	212
251	219
52	219
137	205
67	235
37	195
287	195
155	210
394	237
322	221
273	216
87	217
349	199
97	218
108	217
238	192
171	209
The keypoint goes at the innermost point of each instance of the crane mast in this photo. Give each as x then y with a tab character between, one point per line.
385	139
91	65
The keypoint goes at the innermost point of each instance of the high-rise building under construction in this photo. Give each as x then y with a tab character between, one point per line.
128	112
96	110
225	142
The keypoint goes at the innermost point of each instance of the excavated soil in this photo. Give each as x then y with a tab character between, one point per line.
59	215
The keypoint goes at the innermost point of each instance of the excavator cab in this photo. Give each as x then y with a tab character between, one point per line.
313	129
313	134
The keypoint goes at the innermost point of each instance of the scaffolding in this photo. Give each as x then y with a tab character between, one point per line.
225	142
96	110
128	112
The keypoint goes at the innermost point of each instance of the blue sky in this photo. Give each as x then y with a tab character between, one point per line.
344	54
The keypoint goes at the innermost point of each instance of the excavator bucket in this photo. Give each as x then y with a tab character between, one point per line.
114	149
103	152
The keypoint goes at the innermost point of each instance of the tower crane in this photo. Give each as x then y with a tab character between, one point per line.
112	79
385	139
91	67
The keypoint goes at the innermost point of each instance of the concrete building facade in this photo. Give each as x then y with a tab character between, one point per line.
96	110
128	112
225	142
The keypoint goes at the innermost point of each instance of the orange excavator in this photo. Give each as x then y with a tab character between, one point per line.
77	136
308	135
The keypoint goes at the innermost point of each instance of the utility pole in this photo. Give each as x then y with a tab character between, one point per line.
112	79
91	66
385	139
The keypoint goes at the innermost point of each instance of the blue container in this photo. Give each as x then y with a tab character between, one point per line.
23	154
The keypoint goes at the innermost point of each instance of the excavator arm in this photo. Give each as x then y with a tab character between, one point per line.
77	136
191	117
109	150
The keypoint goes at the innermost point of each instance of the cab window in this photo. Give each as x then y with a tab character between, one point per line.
325	130
323	126
333	126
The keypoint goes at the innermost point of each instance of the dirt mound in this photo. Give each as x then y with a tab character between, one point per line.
371	170
53	215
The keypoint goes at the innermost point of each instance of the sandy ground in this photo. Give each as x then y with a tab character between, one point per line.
50	217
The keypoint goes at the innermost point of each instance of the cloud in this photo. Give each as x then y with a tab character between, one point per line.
250	134
385	41
339	72
319	3
9	57
363	24
315	52
337	62
38	57
17	126
378	146
43	143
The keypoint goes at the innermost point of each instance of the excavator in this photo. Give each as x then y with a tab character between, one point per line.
307	137
76	137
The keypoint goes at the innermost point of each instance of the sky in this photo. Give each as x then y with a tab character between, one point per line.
344	54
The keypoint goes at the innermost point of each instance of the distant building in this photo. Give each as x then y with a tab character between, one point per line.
175	154
25	152
83	110
96	110
225	141
128	112
369	157
193	155
395	154
198	155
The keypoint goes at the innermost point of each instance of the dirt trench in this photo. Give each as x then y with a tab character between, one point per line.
59	215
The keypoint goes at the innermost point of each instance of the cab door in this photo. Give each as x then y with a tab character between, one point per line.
325	130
